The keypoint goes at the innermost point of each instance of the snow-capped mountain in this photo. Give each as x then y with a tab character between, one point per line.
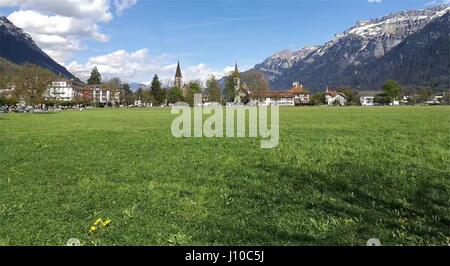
422	59
362	44
18	47
279	62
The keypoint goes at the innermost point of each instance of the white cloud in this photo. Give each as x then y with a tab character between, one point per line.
228	69
201	72
140	66
121	5
60	26
95	10
374	1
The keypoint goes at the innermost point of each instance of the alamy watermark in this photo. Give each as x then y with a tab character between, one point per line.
227	121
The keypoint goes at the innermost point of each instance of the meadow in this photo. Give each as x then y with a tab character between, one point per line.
340	176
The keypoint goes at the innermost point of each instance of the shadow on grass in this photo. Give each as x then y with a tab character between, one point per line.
402	212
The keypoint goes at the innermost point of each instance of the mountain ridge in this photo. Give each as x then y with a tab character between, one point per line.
359	46
18	47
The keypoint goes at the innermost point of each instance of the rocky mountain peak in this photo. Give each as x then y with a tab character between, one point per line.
358	46
19	33
412	20
284	60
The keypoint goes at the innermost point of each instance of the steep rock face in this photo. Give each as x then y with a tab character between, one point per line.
275	65
18	47
350	52
422	59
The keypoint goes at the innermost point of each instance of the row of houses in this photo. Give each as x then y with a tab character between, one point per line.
64	90
367	98
295	96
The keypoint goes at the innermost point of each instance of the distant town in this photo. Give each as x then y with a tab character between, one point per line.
34	88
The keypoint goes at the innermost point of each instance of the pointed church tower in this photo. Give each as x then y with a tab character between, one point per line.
237	78
178	82
237	84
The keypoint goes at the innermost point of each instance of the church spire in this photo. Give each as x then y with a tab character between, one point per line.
178	72
236	70
237	84
178	76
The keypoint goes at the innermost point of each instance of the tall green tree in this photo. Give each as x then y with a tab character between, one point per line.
392	89
128	97
213	89
158	94
174	95
95	78
193	88
139	94
228	90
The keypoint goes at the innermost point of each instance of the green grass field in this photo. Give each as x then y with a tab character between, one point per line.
338	177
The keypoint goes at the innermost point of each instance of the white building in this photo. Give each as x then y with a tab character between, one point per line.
103	95
272	98
335	98
440	98
297	95
366	97
61	90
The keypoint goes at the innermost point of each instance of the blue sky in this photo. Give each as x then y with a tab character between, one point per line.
206	36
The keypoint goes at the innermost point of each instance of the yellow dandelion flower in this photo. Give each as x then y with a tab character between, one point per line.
93	228
98	221
107	222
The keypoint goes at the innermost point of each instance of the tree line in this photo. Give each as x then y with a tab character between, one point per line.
159	95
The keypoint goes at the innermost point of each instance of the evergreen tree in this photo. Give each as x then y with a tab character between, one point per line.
228	91
213	90
157	92
95	78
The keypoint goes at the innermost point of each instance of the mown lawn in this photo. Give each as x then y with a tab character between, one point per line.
339	177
